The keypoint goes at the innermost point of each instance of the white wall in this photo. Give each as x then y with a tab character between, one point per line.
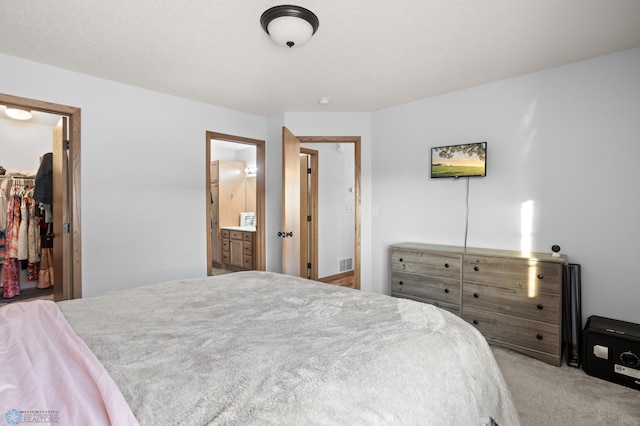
247	156
566	139
143	173
336	214
23	143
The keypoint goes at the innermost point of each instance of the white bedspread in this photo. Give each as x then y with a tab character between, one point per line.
263	348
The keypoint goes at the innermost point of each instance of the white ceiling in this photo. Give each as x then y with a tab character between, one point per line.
366	55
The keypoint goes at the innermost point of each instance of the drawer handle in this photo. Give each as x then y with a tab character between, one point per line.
446	265
475	268
540	276
476	295
539	336
401	260
541	307
475	322
446	290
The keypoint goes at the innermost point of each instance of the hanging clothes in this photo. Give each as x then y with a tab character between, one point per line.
45	273
3	246
13	223
11	270
43	191
3	206
45	277
33	241
3	220
11	278
22	239
23	227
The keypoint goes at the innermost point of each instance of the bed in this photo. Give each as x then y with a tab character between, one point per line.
251	348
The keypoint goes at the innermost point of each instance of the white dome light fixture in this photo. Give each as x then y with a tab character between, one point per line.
289	25
18	113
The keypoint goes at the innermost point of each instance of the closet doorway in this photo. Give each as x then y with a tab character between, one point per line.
327	206
66	193
295	230
235	176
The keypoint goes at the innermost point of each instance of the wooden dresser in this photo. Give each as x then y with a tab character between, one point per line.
514	299
238	248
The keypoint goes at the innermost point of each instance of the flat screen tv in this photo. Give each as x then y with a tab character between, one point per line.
456	161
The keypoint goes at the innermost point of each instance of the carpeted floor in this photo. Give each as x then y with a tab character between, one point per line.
546	395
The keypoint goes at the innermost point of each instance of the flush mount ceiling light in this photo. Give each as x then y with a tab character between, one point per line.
289	25
18	113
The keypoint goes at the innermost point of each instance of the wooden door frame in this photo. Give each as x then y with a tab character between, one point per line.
356	140
313	155
69	269
259	262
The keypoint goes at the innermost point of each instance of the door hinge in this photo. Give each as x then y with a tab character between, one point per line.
65	145
309	265
309	218
66	228
309	170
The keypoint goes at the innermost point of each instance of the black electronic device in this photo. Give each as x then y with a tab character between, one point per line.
456	161
612	351
572	313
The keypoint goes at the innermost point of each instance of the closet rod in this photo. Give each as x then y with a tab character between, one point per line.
18	180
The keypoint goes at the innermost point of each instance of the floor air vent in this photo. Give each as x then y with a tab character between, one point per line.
346	264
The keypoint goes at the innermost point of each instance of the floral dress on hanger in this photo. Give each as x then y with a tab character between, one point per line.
11	270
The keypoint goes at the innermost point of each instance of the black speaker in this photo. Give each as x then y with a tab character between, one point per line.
612	351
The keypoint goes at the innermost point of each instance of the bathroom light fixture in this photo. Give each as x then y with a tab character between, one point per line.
289	25
18	113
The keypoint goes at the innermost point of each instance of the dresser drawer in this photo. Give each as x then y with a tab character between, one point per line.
226	257
423	263
247	262
247	248
512	301
225	244
426	288
533	335
235	235
453	308
530	275
247	236
224	233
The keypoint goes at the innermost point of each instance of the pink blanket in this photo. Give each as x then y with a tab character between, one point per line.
49	375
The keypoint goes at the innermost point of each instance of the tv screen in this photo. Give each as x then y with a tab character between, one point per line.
456	161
